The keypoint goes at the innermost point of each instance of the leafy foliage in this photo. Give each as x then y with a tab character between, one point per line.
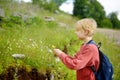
93	9
88	8
107	23
50	5
59	2
113	18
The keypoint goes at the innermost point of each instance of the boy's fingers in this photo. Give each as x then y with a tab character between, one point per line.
55	52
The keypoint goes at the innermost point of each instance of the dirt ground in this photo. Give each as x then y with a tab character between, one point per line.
112	34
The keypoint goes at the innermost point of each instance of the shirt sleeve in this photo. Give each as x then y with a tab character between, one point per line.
80	60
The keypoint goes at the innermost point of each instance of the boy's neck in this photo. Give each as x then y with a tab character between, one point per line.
87	39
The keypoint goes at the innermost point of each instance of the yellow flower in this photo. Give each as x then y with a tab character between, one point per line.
53	46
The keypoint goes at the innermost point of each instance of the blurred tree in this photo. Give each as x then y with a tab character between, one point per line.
50	5
98	12
114	19
106	22
89	8
79	8
38	1
59	2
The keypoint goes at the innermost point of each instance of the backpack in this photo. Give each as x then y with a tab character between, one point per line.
105	70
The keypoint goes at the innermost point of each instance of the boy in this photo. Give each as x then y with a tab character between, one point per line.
88	54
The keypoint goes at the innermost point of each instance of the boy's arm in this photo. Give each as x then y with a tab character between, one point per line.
62	56
79	61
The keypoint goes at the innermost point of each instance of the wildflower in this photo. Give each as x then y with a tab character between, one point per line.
53	46
49	50
30	39
57	59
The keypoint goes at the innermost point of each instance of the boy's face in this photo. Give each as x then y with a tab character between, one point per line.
80	34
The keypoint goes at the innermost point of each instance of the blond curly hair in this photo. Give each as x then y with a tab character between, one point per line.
86	24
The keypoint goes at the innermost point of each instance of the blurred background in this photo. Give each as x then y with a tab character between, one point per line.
31	29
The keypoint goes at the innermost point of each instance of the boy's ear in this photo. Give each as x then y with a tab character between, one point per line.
87	32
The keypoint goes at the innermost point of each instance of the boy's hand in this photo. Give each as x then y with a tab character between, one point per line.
57	52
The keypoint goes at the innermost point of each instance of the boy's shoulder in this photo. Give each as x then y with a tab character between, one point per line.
90	47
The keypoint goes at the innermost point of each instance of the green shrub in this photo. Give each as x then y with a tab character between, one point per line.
16	19
106	23
50	6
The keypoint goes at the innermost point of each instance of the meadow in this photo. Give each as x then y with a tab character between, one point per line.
37	38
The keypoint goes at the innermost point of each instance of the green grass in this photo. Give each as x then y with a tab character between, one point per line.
37	40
